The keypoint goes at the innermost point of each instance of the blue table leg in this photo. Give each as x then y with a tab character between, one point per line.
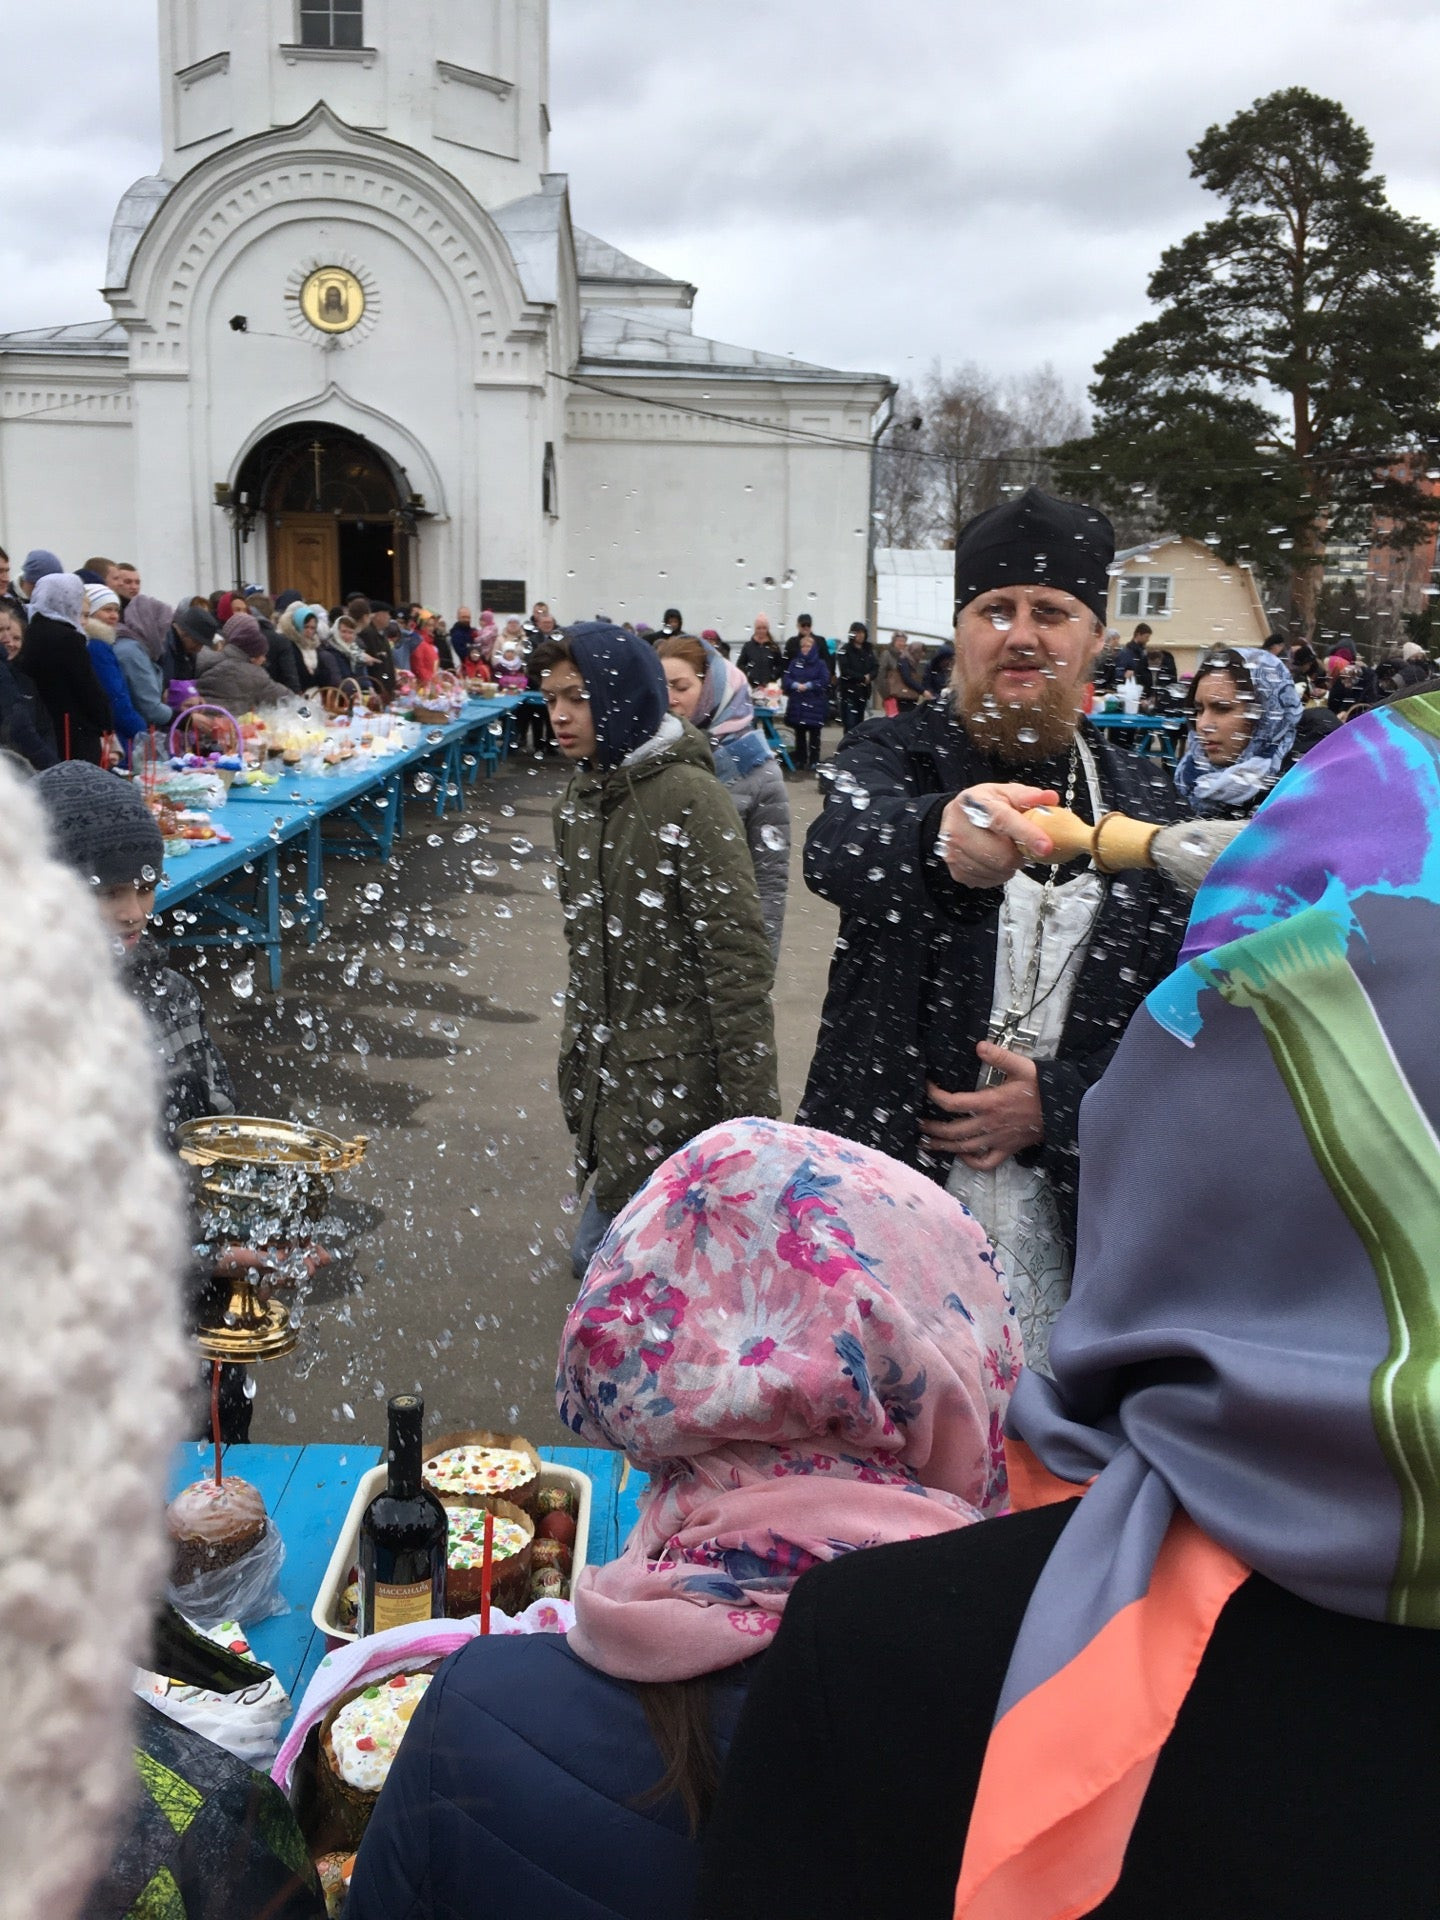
394	821
272	916
773	735
314	882
451	779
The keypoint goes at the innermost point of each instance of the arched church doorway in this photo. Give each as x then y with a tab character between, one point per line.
339	515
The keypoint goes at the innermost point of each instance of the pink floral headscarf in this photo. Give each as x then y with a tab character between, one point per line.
810	1350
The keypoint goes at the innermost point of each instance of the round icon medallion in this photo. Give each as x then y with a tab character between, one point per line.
333	300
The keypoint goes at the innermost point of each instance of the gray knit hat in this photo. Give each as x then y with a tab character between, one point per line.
38	564
99	825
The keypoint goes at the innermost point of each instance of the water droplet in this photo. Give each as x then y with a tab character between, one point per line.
462	836
648	897
434	840
374	891
1027	736
772	838
242	984
521	845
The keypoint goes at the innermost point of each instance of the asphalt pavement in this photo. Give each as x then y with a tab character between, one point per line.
428	1019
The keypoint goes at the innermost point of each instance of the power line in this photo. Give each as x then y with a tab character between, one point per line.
1022	457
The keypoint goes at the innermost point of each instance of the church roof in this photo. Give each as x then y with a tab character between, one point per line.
634	341
138	206
598	260
81	337
532	228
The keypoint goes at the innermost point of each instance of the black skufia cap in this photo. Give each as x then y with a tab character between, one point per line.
1037	541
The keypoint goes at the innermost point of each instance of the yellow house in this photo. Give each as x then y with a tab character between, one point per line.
1191	598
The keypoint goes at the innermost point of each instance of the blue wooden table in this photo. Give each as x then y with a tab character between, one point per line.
1141	726
308	1491
234	885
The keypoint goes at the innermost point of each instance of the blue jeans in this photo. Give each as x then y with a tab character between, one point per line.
593	1227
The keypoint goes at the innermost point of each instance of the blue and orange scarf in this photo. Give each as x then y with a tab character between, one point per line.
1239	1384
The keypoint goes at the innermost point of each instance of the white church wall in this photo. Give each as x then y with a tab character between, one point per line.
463	80
67	485
722	530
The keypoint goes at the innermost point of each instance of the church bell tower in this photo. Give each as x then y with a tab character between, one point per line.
464	81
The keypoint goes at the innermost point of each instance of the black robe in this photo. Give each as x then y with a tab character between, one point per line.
1299	1784
912	980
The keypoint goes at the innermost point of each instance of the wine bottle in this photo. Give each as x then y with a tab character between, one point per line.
405	1534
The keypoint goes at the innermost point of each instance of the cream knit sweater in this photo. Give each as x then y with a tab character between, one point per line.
92	1368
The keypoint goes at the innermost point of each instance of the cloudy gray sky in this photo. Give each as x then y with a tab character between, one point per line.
864	186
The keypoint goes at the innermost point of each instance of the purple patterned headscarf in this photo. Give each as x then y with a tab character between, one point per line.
1247	1375
809	1349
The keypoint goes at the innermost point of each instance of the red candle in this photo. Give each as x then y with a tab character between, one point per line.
215	1417
487	1568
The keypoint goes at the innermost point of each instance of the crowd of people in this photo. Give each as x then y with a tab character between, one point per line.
1038	1430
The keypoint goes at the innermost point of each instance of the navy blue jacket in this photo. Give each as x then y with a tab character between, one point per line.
515	1794
807	681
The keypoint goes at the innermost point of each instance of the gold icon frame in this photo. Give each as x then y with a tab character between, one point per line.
333	300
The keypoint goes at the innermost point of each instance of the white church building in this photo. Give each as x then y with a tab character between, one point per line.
357	345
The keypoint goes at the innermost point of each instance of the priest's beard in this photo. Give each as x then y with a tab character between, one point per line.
1018	735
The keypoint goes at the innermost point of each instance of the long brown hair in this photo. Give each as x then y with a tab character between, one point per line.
678	1714
683	646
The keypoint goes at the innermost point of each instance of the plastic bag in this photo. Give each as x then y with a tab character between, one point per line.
247	1590
248	1722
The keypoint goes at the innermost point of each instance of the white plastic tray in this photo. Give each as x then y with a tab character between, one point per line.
326	1610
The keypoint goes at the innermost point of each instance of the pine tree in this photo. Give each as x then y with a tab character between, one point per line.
1269	404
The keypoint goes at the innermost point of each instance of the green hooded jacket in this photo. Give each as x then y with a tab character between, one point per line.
668	1022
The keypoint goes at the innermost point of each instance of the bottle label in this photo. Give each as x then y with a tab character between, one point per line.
402	1606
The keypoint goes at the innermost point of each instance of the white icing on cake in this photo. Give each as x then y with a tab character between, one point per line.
472	1470
216	1513
367	1731
467	1538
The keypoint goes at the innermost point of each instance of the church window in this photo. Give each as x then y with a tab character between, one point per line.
549	485
332	23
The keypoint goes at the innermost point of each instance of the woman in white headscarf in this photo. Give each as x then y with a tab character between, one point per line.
56	658
1246	708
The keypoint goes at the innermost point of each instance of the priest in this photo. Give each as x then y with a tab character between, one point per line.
978	988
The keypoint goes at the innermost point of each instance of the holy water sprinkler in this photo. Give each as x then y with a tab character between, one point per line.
264	1186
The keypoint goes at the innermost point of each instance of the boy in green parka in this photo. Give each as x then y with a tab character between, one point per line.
668	1022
